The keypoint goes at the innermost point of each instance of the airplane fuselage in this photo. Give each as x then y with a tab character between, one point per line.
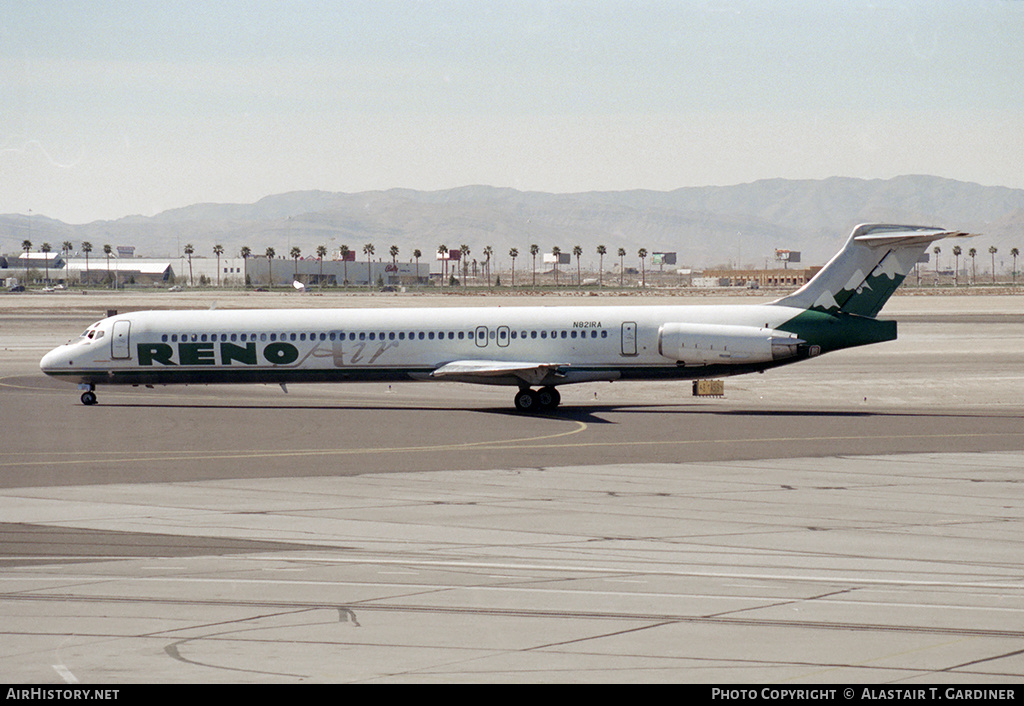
325	345
526	347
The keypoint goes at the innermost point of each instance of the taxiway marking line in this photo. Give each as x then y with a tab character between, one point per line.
138	457
493	445
107	579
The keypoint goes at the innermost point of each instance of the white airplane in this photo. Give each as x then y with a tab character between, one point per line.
535	349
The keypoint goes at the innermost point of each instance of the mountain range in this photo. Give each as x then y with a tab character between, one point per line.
707	226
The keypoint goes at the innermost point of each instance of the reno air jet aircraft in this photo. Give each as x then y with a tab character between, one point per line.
535	349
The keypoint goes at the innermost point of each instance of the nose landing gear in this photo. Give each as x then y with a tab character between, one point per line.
89	396
542	400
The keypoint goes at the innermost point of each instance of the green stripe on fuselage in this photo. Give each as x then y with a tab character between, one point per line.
833	332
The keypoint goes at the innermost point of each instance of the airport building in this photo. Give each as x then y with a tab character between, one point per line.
331	273
784	278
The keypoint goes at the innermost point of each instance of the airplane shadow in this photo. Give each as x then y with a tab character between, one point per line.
589	414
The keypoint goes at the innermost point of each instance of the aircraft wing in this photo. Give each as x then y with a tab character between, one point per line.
497	371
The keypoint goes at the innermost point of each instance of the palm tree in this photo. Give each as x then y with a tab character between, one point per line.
86	248
577	251
321	253
601	251
393	250
188	251
974	271
936	250
26	245
45	248
557	252
1014	252
464	250
246	252
270	266
642	252
295	252
442	250
368	250
344	250
622	269
66	247
534	249
513	253
956	267
488	251
992	250
108	251
416	254
218	250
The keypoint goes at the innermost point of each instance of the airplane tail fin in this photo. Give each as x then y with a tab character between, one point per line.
865	273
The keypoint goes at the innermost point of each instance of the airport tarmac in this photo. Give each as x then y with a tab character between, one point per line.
854	518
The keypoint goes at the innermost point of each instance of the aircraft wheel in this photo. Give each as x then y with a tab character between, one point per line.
526	401
89	398
549	397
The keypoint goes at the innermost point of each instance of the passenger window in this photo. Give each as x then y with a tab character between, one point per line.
421	335
543	334
431	335
164	338
362	336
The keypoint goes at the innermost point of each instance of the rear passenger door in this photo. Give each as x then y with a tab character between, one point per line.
629	338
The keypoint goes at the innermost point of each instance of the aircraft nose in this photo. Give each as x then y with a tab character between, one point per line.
53	360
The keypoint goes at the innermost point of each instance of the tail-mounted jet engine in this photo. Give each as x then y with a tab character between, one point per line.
705	344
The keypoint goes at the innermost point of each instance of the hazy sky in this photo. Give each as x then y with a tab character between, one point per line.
115	108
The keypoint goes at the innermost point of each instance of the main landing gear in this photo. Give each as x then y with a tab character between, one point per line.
89	396
542	400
